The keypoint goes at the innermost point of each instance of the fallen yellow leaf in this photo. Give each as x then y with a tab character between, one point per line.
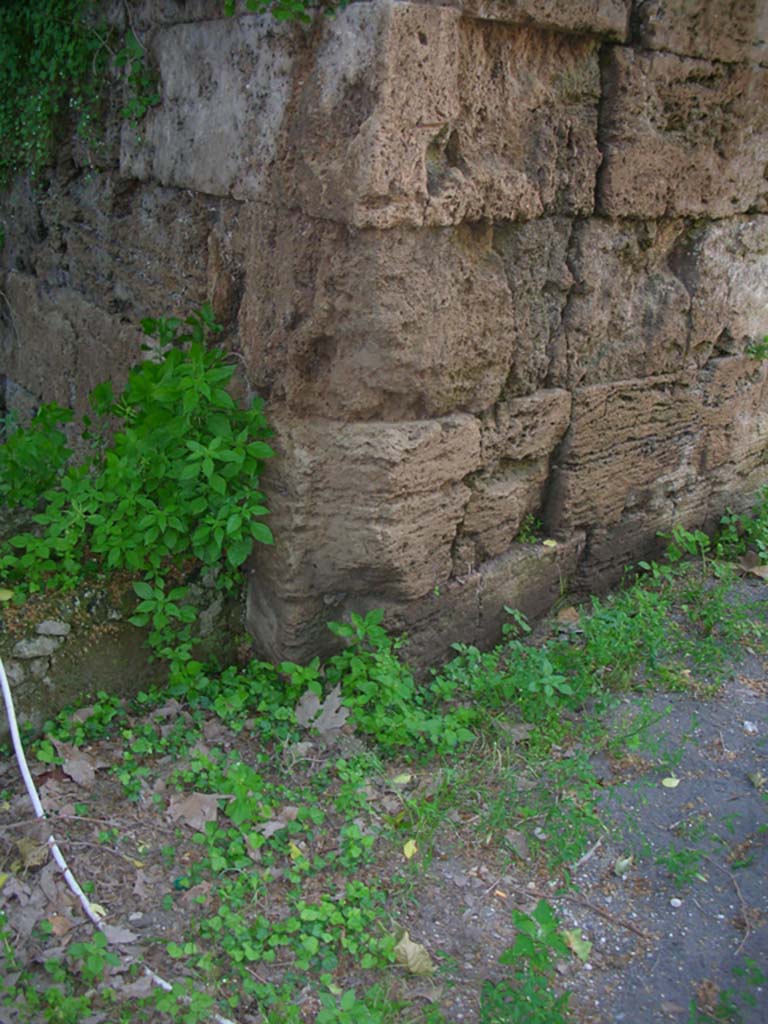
413	956
410	848
670	782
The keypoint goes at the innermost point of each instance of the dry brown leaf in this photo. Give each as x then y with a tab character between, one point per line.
141	885
81	770
518	842
413	956
82	714
15	888
268	828
60	925
195	810
32	853
568	616
327	717
750	563
118	936
138	989
77	765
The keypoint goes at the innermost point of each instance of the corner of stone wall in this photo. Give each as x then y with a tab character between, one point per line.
491	263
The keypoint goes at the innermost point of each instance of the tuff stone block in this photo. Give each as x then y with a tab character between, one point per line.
734	30
682	137
418	117
627	313
401	324
367	506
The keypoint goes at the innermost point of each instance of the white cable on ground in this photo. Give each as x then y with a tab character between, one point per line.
53	845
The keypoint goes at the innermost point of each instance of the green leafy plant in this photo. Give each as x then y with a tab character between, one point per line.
178	484
538	943
758	349
31	459
530	530
53	59
528	997
140	82
288	10
683	864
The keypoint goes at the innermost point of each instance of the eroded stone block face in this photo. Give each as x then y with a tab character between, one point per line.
727	30
378	324
420	117
489	262
369	506
724	266
597	17
225	85
682	137
40	343
627	313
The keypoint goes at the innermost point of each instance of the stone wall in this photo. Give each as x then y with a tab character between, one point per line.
485	260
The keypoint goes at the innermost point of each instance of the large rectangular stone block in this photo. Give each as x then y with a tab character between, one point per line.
225	87
609	18
398	324
47	329
626	441
682	137
367	506
525	428
498	506
627	313
724	266
535	257
419	117
727	30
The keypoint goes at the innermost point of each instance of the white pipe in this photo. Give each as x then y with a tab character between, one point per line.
57	854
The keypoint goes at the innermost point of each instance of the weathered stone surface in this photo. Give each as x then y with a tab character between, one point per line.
733	396
384	82
534	255
627	314
525	428
500	502
641	455
53	627
418	117
37	647
46	331
609	18
626	440
225	86
529	578
727	30
469	608
397	324
368	506
724	266
131	249
682	137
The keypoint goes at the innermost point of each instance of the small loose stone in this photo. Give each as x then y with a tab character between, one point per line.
37	647
53	627
675	902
